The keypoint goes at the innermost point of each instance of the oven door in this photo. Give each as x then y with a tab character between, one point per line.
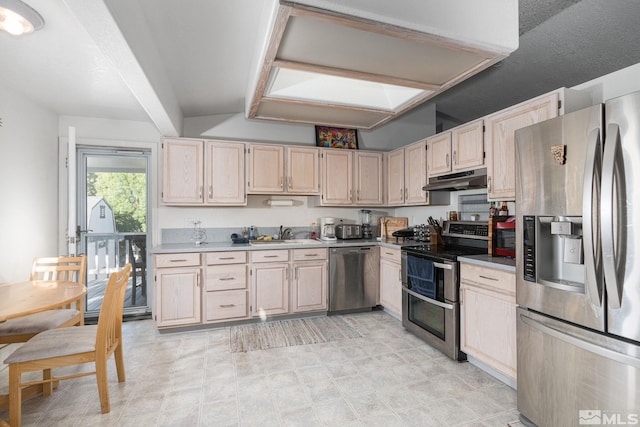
434	320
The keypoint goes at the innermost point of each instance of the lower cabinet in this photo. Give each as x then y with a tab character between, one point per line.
270	282
225	293
177	289
391	281
488	317
309	283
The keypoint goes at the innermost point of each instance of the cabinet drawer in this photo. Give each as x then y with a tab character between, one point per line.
499	280
391	254
270	256
177	260
224	277
235	257
309	254
225	305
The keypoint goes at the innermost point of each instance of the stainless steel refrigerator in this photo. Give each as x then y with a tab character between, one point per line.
578	267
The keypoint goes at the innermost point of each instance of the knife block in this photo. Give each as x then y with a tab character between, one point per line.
435	235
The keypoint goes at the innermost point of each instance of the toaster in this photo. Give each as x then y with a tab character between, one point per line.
349	231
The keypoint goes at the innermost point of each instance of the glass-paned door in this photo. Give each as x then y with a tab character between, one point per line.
112	218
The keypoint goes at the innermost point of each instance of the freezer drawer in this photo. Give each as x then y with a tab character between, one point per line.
565	373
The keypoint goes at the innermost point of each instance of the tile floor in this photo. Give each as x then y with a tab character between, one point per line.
386	378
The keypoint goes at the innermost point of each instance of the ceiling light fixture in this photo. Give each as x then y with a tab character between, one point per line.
19	18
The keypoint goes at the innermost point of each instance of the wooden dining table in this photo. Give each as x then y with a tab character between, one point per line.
24	298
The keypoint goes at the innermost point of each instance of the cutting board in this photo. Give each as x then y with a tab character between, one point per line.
392	224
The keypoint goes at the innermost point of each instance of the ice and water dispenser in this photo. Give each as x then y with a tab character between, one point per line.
553	251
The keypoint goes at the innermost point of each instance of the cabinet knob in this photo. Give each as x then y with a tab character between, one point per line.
447	159
455	157
211	191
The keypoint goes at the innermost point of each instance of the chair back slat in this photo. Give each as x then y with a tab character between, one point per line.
72	269
110	321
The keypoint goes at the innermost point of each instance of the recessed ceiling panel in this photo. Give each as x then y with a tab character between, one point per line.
317	114
421	59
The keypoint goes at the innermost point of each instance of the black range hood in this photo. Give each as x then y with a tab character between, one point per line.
467	180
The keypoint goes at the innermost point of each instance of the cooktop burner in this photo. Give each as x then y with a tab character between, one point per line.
444	252
462	238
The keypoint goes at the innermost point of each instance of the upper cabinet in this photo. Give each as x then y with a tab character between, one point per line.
407	175
277	169
500	135
196	172
456	150
351	178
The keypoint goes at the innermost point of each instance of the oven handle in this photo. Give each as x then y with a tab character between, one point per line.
429	300
443	266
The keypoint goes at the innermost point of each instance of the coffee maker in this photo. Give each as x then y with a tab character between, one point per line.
365	218
327	228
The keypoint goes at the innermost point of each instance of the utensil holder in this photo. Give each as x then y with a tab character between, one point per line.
435	235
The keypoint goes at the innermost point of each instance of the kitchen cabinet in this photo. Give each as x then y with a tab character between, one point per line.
197	172
275	169
351	179
270	282
309	283
225	293
500	135
488	317
406	174
457	150
177	289
391	281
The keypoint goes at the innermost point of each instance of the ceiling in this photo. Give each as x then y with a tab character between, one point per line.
168	59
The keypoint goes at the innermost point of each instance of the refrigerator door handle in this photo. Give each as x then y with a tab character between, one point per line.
613	216
590	219
581	342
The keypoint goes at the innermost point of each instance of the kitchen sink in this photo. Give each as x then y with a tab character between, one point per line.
285	242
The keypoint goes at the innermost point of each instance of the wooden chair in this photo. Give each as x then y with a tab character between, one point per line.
72	269
72	346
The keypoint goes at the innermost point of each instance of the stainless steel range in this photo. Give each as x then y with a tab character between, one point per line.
430	285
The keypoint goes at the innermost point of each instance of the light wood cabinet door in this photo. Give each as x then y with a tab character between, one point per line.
488	316
303	170
224	174
439	154
182	179
270	289
177	296
467	146
415	173
368	174
390	286
266	169
337	177
309	286
395	177
500	142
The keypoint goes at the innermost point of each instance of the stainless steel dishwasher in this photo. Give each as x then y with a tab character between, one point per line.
353	278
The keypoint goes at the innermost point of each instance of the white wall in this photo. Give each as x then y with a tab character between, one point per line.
613	85
28	184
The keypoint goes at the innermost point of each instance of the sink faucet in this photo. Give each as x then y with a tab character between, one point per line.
285	234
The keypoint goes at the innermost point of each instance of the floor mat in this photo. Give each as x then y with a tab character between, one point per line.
285	333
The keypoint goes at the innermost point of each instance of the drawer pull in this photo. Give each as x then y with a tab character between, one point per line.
310	254
178	260
489	278
271	256
389	253
226	257
227	305
227	278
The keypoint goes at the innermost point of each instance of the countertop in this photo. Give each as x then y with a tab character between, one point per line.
499	263
228	246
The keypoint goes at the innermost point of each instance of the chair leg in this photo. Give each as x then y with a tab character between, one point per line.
15	396
47	388
103	385
119	358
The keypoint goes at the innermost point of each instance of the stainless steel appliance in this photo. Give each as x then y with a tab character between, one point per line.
578	278
430	285
327	228
458	181
353	278
349	231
